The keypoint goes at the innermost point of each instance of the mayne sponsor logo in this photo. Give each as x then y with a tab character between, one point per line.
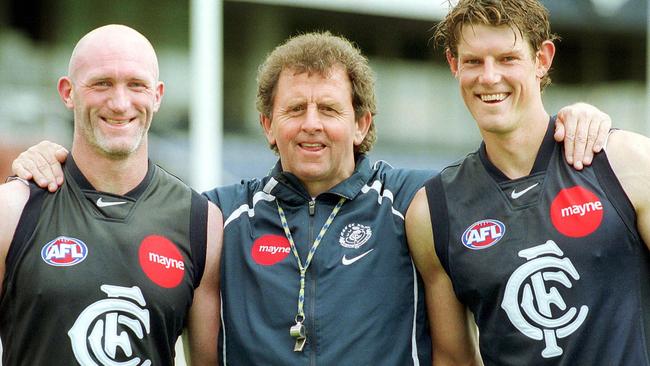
483	234
162	261
268	250
166	261
273	249
581	209
576	212
64	252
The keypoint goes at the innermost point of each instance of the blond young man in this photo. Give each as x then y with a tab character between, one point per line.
550	262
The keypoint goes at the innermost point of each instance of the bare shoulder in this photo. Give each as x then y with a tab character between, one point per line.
203	322
214	244
418	223
215	230
629	156
419	234
627	144
13	197
419	202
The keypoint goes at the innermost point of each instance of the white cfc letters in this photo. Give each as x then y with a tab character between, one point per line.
100	343
531	280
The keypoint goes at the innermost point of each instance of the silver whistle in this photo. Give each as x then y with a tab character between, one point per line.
299	332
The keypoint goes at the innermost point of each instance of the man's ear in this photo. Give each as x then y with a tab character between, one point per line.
452	61
266	122
159	92
362	127
64	87
544	58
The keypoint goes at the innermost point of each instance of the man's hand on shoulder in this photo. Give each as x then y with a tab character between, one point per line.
584	129
42	163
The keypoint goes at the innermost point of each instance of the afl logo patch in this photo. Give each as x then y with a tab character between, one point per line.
64	252
268	250
161	261
576	212
483	234
354	235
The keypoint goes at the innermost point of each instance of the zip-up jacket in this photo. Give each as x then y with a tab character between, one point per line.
363	299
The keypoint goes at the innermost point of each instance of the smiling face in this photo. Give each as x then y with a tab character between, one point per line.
499	76
314	128
114	91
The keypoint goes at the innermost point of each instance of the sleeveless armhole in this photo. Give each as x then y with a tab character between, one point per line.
622	204
439	218
26	224
615	192
198	234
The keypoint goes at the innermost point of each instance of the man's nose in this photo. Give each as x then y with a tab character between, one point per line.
119	101
312	122
489	73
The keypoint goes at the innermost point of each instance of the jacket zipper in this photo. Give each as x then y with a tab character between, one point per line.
312	288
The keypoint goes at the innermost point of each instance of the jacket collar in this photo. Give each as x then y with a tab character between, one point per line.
287	187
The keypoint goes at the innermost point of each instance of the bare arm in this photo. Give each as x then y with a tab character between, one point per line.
453	332
629	156
584	129
204	317
42	163
13	197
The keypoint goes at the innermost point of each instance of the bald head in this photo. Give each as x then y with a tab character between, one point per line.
113	89
113	41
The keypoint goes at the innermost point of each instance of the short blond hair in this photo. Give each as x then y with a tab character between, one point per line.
529	18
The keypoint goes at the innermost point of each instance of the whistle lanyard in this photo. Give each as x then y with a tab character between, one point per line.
300	316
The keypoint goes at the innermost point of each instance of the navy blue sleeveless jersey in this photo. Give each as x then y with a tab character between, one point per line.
364	303
551	264
99	279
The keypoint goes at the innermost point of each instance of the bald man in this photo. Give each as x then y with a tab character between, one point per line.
111	267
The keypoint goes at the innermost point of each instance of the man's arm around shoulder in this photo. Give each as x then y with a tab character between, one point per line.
13	197
204	317
629	156
453	332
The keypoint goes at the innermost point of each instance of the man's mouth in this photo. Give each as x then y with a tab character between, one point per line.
117	122
493	98
312	146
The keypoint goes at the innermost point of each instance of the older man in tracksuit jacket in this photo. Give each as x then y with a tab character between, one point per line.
363	301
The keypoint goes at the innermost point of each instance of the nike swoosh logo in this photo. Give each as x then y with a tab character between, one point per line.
101	203
516	194
347	262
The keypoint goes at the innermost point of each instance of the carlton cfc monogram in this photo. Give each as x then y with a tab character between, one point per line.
542	267
102	328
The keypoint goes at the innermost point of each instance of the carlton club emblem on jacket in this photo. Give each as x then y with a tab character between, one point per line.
545	265
354	235
110	321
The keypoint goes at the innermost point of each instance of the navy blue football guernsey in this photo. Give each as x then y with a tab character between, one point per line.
551	264
99	279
